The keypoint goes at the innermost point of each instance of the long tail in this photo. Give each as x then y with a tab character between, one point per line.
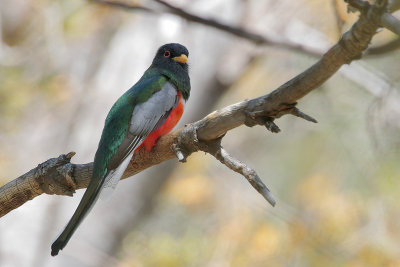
88	200
95	189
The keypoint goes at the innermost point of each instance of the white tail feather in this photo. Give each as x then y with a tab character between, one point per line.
113	178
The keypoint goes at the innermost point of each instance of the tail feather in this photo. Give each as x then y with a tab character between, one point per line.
113	177
88	200
92	193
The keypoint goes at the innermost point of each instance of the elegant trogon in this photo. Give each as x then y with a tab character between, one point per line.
148	110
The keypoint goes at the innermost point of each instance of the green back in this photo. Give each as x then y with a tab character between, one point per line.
118	118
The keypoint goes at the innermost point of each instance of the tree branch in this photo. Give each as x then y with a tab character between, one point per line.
386	19
59	176
213	23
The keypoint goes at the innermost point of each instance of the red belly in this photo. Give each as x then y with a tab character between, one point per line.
168	125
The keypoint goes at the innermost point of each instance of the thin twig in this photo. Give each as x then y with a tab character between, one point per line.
215	149
223	156
298	113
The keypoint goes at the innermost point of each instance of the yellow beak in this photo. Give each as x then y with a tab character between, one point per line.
181	59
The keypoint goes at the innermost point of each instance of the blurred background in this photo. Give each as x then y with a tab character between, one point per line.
64	63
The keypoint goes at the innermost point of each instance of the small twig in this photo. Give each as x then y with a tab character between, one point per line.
215	149
267	118
298	113
250	174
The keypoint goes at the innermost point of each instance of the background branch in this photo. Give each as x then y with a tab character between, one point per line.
385	48
386	19
213	23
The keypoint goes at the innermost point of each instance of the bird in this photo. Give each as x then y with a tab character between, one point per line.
148	110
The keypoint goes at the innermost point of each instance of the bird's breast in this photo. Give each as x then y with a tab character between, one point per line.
168	125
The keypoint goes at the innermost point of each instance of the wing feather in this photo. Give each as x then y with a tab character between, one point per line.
146	117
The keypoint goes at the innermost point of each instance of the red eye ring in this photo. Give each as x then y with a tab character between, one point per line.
167	54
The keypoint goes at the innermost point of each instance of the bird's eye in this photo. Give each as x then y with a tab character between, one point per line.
167	53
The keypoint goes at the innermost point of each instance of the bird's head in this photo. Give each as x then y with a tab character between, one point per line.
172	56
171	61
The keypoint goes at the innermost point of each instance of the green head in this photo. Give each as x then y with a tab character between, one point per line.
171	61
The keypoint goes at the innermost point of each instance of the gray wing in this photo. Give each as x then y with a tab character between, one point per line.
146	117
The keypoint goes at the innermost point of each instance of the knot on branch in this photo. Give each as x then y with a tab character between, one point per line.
212	147
55	175
266	118
371	11
253	119
358	38
186	143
